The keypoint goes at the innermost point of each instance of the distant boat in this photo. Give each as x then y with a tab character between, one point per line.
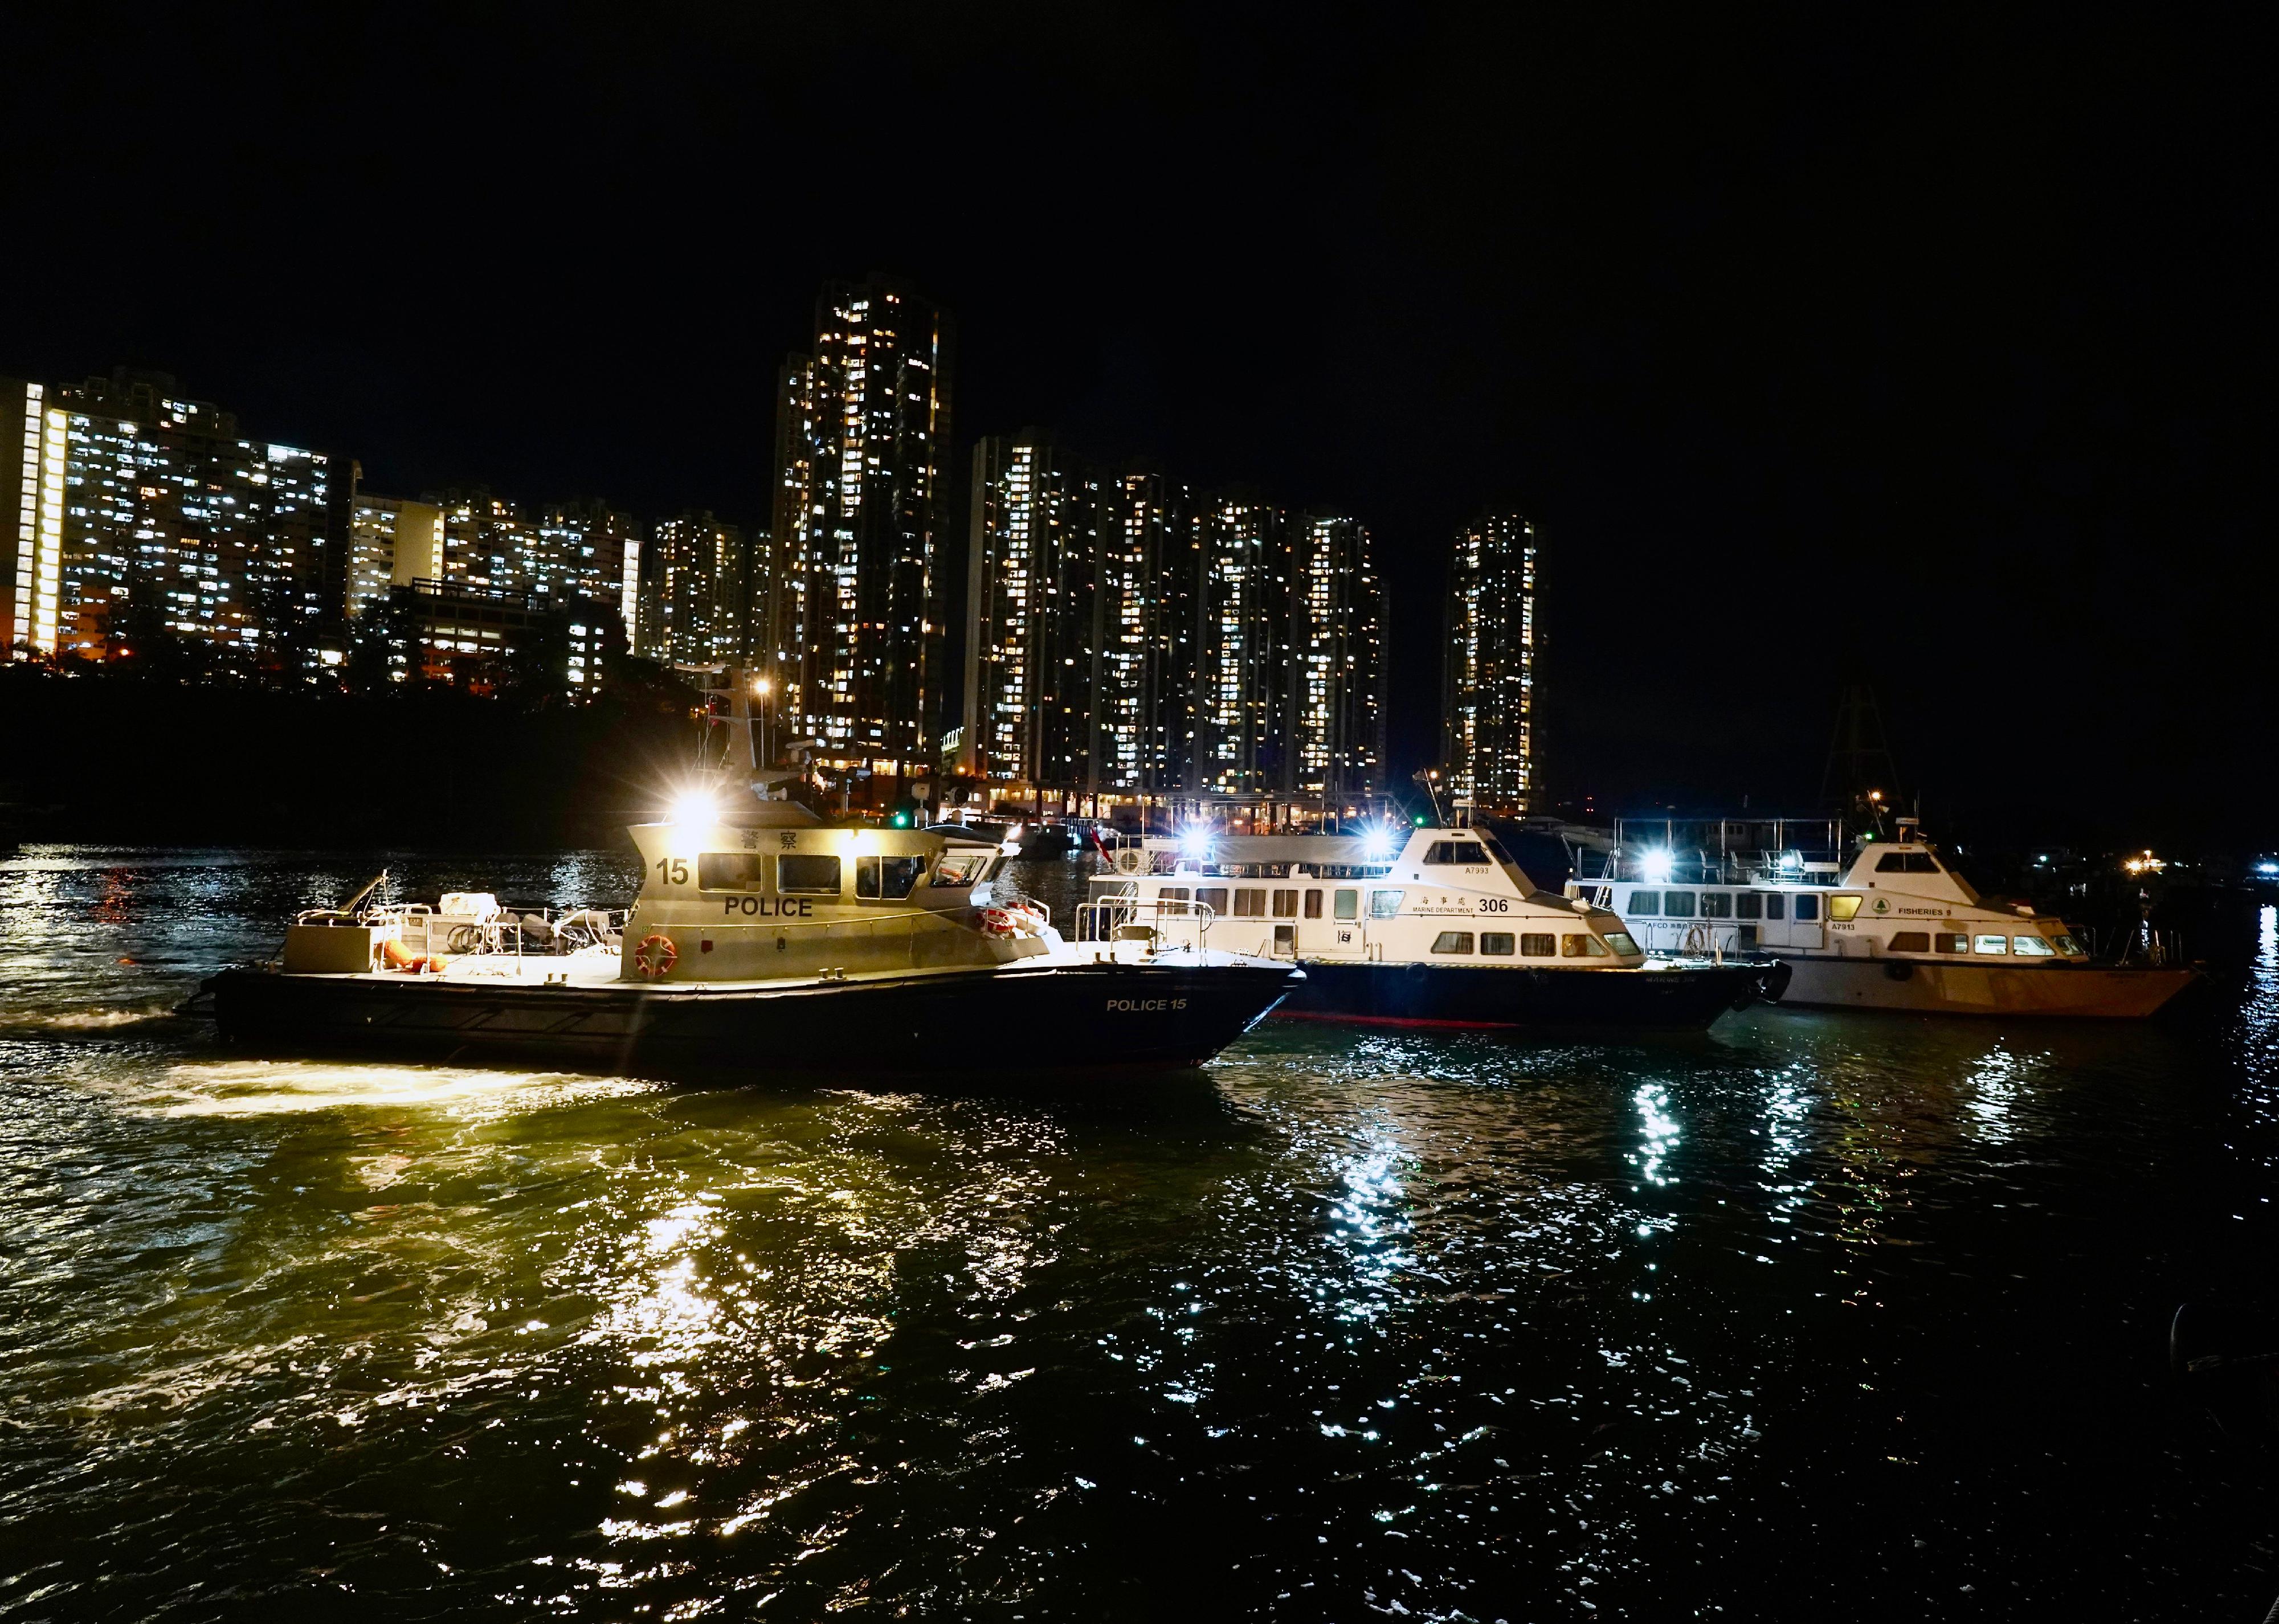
1897	927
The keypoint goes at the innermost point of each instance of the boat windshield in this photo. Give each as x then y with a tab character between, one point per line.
1620	941
959	869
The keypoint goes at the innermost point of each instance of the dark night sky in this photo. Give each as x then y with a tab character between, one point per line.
1813	341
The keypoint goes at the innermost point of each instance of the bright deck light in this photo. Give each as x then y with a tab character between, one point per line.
1655	866
696	807
1375	844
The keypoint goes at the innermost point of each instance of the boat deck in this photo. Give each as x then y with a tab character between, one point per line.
601	968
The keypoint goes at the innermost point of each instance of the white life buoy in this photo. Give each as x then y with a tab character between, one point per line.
1130	860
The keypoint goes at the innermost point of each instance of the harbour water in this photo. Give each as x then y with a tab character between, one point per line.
1817	1316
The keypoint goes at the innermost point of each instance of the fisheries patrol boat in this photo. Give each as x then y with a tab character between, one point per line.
1431	926
762	939
1897	927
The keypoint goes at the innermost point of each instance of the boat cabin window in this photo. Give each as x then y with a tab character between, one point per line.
1453	941
1910	941
1213	897
1677	904
1621	942
1645	903
1349	905
1175	893
1843	907
1716	904
1286	904
731	872
1455	851
1954	941
886	879
959	869
1991	944
1249	902
1906	863
1313	905
2071	948
1807	909
1539	945
807	877
1498	943
1385	904
1573	946
1748	905
2032	947
1777	907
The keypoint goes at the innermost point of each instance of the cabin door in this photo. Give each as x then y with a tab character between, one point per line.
1342	933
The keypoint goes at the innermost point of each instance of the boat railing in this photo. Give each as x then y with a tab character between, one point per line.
1698	869
1691	938
1128	917
535	931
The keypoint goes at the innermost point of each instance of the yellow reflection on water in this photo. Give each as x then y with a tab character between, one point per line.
264	1087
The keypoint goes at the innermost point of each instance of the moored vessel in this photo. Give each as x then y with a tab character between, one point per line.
1895	926
1433	926
763	939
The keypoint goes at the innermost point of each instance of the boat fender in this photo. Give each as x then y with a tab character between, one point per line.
655	955
396	955
1899	969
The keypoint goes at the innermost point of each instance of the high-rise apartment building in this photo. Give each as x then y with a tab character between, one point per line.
1127	639
1335	672
137	513
1031	573
1242	646
697	597
1143	628
1488	683
392	542
488	544
862	438
31	553
583	548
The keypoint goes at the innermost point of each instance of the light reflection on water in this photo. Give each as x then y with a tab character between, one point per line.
1820	1308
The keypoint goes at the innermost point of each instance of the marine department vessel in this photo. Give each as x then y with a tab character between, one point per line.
1433	926
762	939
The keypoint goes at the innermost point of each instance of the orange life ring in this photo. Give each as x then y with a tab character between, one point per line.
655	955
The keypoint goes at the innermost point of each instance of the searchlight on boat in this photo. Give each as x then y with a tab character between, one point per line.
693	807
1376	844
1655	867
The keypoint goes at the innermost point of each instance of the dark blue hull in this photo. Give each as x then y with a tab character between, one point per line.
1000	1021
1689	996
